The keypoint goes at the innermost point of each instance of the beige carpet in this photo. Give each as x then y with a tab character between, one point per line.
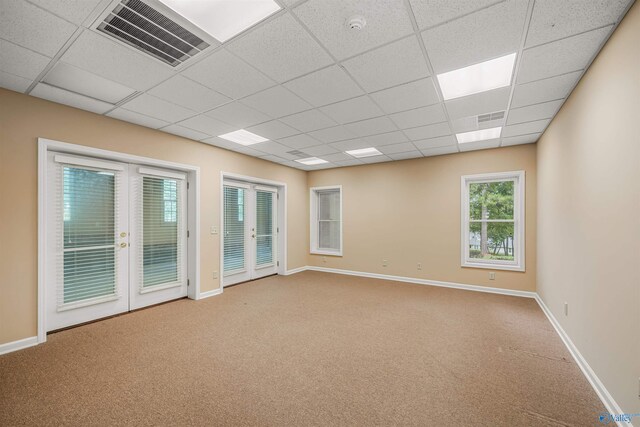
308	349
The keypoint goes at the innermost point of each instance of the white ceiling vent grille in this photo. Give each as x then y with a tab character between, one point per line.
489	117
143	27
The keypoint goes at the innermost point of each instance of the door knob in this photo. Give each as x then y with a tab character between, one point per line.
123	234
123	245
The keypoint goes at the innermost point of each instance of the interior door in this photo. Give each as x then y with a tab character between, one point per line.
158	236
87	240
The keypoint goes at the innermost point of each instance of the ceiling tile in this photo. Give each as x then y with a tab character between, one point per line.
276	102
439	151
281	49
71	99
238	114
525	128
433	12
385	139
223	143
106	58
479	103
375	159
521	139
21	62
273	130
385	21
544	90
12	82
428	144
337	133
158	108
480	145
546	110
352	110
371	126
560	57
406	156
352	162
324	87
390	65
419	116
299	141
208	125
553	20
320	150
229	75
430	131
185	132
29	26
407	96
75	11
308	121
271	147
481	36
189	94
397	148
137	118
351	144
337	157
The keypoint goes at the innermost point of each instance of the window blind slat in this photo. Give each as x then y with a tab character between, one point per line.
234	228
264	228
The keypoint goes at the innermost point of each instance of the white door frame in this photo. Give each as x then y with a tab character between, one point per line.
193	208
281	217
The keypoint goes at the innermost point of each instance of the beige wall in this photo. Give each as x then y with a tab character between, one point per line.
408	212
23	119
589	214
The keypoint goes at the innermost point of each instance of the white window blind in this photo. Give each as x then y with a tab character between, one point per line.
264	228
326	220
234	228
88	221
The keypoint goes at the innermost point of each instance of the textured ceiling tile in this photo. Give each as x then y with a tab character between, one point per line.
336	133
430	131
189	94
352	110
281	49
185	132
553	19
273	130
521	139
544	90
308	121
208	125
228	75
351	144
71	99
238	114
406	155
371	126
433	12
419	116
439	151
324	87
525	128
479	103
484	35
20	61
385	138
560	57
390	65
546	110
397	148
136	118
428	144
158	108
276	102
299	141
320	150
407	96
75	11
480	145
385	21
13	82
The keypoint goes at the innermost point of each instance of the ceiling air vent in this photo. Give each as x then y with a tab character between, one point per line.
482	118
143	27
297	153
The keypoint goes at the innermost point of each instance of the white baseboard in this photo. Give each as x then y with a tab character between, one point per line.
208	294
18	345
602	392
477	288
296	270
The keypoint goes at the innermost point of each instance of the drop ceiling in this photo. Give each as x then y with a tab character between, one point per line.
310	85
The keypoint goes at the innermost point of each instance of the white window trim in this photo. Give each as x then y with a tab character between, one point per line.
518	264
313	204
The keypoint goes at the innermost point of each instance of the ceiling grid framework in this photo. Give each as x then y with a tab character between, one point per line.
314	88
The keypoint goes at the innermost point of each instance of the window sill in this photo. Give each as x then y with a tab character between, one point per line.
506	267
329	253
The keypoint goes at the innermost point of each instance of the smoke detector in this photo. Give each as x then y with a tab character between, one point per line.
356	22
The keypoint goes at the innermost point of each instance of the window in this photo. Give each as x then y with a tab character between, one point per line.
326	220
170	200
493	221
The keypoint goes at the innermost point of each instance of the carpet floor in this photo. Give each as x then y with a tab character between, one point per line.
308	349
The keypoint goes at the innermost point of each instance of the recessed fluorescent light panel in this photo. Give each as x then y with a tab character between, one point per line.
364	152
479	135
243	137
310	161
477	78
223	19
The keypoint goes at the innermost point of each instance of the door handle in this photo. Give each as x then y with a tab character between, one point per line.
253	235
123	245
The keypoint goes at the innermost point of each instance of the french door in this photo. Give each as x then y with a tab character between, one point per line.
116	238
250	232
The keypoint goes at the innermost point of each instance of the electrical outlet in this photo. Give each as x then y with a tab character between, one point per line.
215	274
385	262
566	308
324	259
419	266
492	275
214	229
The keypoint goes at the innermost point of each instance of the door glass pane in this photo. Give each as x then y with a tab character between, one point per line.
264	227
491	200
89	237
234	224
491	240
160	231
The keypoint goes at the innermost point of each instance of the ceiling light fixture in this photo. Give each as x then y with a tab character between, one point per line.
364	152
243	137
477	78
478	135
310	161
223	19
